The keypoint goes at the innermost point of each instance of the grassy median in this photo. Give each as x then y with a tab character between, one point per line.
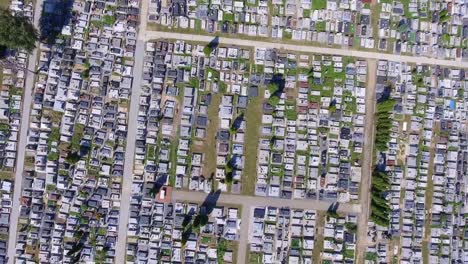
253	118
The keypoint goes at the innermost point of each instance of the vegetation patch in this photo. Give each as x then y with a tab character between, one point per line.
319	4
109	20
383	124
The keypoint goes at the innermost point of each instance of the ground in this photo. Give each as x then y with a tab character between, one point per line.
319	241
4	3
254	121
209	145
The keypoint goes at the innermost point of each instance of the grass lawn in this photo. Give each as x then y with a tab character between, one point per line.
234	246
428	205
173	160
227	245
77	136
253	118
320	26
4	3
6	175
150	152
319	4
407	13
375	16
198	25
287	35
55	116
209	146
228	16
1	69
206	240
319	241
254	258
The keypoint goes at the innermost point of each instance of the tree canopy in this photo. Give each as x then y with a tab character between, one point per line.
16	32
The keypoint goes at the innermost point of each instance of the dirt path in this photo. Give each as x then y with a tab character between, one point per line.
320	224
367	161
244	234
209	143
428	200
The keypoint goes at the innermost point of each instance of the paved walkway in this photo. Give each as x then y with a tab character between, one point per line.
150	35
131	138
245	200
244	234
23	140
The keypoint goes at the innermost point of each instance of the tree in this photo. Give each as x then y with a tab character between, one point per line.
273	88
73	157
16	32
207	50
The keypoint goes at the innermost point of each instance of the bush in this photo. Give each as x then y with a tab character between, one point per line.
348	253
273	88
273	100
53	156
222	87
207	50
291	114
295	243
352	227
372	256
195	83
109	20
386	106
221	248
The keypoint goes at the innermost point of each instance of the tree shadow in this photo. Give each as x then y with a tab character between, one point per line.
237	122
84	150
160	182
210	202
385	95
72	157
211	46
279	81
3	52
187	220
333	207
214	43
51	23
186	234
43	66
